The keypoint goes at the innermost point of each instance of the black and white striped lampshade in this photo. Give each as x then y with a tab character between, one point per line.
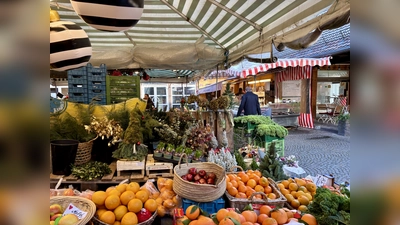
70	46
109	15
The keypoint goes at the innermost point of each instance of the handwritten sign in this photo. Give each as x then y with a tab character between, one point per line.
291	88
321	180
71	209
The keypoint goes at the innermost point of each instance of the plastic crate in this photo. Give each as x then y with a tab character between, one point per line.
77	79
96	76
77	88
210	207
126	81
123	91
94	69
78	97
117	99
78	71
248	126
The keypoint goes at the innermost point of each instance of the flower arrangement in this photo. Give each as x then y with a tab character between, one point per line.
193	99
105	128
222	157
199	138
289	161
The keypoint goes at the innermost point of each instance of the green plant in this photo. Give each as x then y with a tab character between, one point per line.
91	170
198	154
273	130
179	150
255	119
121	116
160	146
170	148
65	126
270	166
188	151
240	160
344	116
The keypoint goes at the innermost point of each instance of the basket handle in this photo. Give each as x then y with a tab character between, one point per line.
179	163
234	167
258	193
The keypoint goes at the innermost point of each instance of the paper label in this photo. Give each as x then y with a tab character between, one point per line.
71	209
321	180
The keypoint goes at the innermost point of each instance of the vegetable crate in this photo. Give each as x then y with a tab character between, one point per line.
134	168
97	91
209	207
122	88
154	170
249	127
266	141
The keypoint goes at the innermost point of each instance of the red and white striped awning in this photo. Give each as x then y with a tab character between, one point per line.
286	63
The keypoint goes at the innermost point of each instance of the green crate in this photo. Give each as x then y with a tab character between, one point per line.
248	126
265	142
122	88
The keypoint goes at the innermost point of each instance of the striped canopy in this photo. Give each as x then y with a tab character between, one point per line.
172	30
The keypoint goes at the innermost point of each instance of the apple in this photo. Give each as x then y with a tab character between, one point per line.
202	173
210	180
55	209
193	171
69	219
189	177
197	177
54	217
197	182
202	181
211	175
205	177
184	177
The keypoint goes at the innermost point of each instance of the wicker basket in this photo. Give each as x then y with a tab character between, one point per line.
240	203
84	153
96	221
235	167
82	203
199	192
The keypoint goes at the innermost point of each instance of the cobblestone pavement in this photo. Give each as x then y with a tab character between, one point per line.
321	151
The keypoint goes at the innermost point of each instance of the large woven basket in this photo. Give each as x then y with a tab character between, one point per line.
96	221
80	202
84	153
199	192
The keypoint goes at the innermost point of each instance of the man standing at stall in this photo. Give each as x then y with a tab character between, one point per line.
249	104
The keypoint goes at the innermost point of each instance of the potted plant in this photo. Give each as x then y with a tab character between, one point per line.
189	154
342	120
178	152
197	156
158	152
168	151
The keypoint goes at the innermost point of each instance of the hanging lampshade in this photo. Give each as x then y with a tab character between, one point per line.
109	15
70	46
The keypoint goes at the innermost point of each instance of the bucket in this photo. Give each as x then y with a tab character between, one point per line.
63	153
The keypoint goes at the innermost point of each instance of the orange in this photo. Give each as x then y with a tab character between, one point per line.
232	177
251	182
129	218
120	211
245	178
263	181
288	213
265	209
221	214
303	200
241	183
168	183
243	188
151	205
258	173
133	186
309	219
280	186
270	221
117	223
250	216
255	177
234	215
142	195
233	191
176	199
112	202
234	183
193	222
159	201
261	218
161	211
225	221
301	182
259	188
242	219
309	196
311	187
99	197
289	197
300	193
126	197
240	195
205	221
169	204
293	187
108	217
279	215
121	188
192	212
250	171
182	220
272	196
294	193
110	189
247	223
285	191
100	211
114	192
227	178
285	183
249	192
228	185
135	205
267	189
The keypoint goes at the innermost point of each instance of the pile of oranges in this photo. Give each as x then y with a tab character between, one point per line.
119	204
167	199
244	184
298	192
193	217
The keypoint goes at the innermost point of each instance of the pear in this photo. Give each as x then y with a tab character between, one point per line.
55	209
69	219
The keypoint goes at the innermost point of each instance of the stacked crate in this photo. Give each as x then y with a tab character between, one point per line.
122	88
77	85
97	83
87	83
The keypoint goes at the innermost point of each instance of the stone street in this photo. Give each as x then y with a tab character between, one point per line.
321	151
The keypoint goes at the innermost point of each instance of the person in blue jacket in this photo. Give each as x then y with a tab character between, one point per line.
249	104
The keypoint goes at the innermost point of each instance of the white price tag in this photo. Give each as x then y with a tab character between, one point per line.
71	209
321	180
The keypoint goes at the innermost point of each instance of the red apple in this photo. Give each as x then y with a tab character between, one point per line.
202	181
202	173
197	177
205	177
184	177
189	177
211	175
210	180
197	182
193	171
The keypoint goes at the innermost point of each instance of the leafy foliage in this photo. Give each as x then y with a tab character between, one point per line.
255	119
65	126
273	130
125	151
254	165
270	166
240	160
91	170
329	208
230	95
121	116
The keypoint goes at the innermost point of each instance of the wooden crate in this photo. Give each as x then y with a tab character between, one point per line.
154	170
133	169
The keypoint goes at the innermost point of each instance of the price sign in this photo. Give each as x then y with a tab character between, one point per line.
71	209
321	180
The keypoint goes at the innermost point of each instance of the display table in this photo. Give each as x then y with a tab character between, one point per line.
289	120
